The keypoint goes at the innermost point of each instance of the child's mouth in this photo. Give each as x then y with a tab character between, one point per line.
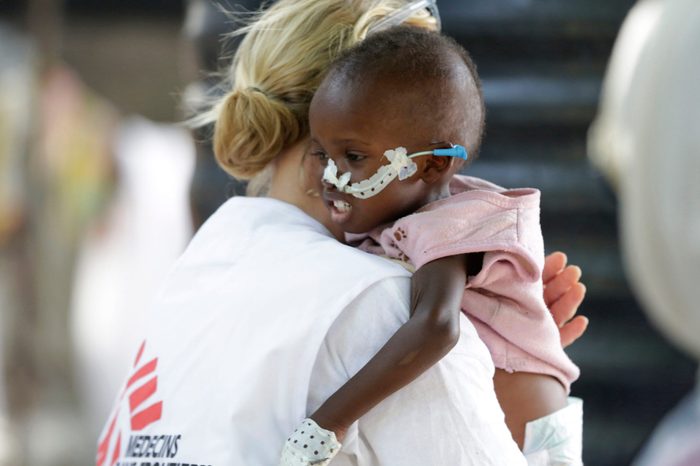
340	211
342	206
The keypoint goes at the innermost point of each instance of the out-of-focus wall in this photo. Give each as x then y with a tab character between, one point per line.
134	62
129	52
68	83
16	83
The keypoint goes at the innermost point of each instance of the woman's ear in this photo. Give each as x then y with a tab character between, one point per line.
435	168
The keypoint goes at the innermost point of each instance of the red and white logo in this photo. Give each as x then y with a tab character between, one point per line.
143	409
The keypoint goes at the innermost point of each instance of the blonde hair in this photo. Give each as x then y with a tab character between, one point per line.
276	70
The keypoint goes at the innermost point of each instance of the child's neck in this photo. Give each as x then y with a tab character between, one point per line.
440	191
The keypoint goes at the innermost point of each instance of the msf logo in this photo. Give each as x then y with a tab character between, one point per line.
143	411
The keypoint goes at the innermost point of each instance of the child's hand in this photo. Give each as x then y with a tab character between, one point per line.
309	445
563	294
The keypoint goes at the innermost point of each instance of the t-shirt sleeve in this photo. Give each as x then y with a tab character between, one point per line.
449	415
473	222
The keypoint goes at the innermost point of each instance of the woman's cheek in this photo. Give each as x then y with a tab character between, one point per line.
312	174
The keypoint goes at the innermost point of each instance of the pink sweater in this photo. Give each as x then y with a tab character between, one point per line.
504	300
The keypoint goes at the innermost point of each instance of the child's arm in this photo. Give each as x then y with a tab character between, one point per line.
437	289
430	334
523	396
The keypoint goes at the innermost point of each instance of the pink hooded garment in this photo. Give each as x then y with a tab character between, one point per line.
504	300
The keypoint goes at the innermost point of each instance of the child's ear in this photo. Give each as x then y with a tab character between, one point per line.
435	168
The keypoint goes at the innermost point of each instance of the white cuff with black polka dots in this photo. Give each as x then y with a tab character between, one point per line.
309	445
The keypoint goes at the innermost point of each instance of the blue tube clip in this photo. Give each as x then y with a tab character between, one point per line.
455	151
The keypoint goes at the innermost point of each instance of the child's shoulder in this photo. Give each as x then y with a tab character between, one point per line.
464	188
479	216
462	183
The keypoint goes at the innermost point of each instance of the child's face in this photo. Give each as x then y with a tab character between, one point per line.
355	129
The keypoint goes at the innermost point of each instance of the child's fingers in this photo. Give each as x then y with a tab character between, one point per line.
553	264
573	330
564	308
558	285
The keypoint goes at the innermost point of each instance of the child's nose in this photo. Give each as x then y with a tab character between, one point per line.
342	165
328	186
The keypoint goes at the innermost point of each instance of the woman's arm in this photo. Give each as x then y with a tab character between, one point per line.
430	333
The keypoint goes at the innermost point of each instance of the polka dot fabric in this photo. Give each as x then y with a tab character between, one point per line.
309	445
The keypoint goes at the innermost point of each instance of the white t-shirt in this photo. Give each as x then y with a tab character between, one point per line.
245	337
448	416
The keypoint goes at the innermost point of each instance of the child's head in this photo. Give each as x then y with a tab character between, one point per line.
277	68
404	87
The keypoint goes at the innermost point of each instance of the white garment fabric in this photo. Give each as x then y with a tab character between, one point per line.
556	439
647	136
448	416
231	344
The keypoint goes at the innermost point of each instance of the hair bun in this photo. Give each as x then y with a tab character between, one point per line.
252	127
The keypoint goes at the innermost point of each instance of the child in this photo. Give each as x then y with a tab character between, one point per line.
405	104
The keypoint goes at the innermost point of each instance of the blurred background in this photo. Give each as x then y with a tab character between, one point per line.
101	187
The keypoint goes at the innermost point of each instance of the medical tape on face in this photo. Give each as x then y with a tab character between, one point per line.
400	166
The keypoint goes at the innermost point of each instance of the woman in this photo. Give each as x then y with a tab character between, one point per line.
266	314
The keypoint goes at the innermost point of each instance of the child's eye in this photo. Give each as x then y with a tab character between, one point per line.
319	154
354	157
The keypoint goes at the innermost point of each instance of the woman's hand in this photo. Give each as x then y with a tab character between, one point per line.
563	294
